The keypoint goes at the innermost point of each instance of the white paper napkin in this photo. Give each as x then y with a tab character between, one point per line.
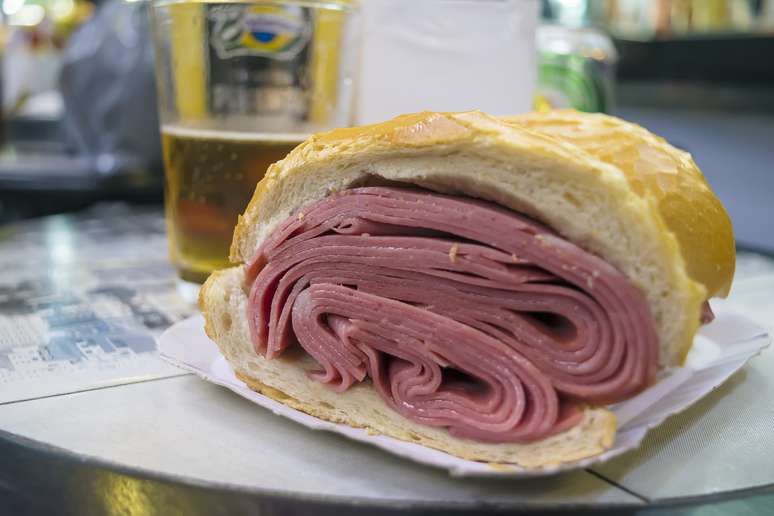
720	349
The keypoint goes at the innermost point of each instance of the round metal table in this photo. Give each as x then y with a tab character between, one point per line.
93	422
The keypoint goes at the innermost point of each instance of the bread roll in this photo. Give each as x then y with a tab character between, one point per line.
607	206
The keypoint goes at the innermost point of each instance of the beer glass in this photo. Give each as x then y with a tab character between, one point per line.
240	84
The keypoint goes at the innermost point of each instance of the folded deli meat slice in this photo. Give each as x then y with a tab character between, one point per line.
464	315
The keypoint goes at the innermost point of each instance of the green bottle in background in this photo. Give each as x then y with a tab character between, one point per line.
576	69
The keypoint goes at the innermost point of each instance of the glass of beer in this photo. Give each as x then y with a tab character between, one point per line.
240	84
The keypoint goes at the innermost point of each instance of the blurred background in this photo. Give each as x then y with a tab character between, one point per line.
79	125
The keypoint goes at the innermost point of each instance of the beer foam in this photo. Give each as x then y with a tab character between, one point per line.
218	134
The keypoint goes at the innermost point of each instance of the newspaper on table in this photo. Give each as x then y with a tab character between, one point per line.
82	299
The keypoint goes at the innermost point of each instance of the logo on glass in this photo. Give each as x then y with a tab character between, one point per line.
279	32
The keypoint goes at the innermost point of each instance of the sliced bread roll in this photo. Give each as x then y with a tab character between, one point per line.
590	202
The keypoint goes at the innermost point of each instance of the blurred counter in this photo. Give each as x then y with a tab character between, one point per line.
40	175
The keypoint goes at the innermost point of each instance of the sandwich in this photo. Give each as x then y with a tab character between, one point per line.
483	286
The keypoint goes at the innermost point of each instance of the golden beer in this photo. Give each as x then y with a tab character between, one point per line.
210	178
240	83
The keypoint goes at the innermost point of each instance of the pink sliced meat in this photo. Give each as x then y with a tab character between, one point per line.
707	315
462	314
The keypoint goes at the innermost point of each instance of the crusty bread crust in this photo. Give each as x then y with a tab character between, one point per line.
654	168
284	379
